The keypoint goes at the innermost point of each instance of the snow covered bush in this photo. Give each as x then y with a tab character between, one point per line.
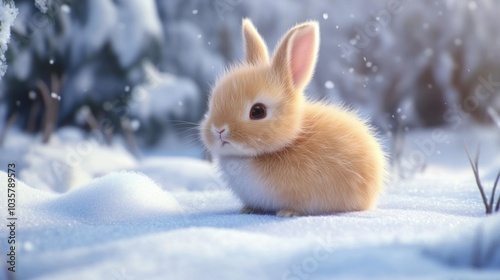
163	103
8	13
68	54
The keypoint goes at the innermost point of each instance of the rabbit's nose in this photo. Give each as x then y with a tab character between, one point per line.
219	130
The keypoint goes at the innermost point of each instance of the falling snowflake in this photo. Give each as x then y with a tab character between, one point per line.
329	85
472	5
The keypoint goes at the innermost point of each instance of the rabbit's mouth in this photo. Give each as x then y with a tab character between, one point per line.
226	147
223	141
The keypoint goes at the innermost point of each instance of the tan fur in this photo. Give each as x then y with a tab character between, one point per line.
304	157
255	48
335	162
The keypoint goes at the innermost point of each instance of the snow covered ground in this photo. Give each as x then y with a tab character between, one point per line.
170	218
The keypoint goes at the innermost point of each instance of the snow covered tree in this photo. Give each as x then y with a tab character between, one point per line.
8	13
66	55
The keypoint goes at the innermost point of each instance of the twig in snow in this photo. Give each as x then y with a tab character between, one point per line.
475	168
497	207
51	98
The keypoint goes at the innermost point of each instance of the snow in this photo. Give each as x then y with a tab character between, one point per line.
8	13
41	5
128	25
169	170
136	22
70	159
164	97
171	216
99	25
102	201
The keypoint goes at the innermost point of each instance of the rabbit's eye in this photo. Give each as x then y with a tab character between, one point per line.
258	111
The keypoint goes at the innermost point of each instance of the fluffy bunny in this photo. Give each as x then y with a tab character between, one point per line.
278	151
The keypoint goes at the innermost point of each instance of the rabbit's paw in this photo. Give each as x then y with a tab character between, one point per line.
286	213
251	210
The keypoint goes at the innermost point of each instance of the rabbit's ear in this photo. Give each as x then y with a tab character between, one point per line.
255	48
295	57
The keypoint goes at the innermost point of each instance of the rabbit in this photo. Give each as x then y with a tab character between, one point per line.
279	152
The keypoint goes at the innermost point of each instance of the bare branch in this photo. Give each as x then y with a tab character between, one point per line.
474	166
44	90
492	198
497	207
55	84
32	117
51	103
49	109
476	158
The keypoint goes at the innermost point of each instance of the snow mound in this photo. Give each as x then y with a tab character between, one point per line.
117	197
30	196
181	173
71	159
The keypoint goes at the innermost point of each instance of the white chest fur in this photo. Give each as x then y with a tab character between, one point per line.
237	173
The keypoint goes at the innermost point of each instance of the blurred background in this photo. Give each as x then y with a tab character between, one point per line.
127	79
